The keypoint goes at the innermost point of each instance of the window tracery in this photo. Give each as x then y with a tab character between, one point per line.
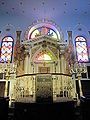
7	49
81	49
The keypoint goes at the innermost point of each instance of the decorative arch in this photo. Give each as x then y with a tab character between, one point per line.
44	56
7	49
43	31
81	49
43	28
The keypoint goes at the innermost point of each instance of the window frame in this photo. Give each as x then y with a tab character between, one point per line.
85	41
2	60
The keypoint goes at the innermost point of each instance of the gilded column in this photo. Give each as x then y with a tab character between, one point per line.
26	64
62	64
7	79
17	52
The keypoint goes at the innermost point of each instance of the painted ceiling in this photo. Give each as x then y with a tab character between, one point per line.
67	14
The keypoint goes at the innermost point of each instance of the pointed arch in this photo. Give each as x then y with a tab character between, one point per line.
42	55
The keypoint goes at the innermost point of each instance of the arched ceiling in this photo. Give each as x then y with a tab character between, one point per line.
66	13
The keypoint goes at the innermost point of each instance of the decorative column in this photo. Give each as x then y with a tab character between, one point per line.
70	48
74	81
59	60
29	64
12	82
6	86
62	71
7	78
79	71
62	64
69	36
29	59
17	48
18	33
26	64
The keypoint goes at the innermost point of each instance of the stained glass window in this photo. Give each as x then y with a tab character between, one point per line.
7	49
81	49
43	31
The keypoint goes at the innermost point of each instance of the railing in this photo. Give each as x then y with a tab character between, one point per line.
63	86
43	73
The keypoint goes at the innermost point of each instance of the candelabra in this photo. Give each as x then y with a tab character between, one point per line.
76	70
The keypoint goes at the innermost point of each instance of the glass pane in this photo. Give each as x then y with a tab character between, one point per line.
6	49
81	49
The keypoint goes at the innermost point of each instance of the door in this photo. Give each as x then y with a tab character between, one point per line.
44	88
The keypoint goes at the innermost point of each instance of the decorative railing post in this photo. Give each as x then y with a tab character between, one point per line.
77	69
7	78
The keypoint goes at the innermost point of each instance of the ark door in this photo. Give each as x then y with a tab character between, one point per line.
44	88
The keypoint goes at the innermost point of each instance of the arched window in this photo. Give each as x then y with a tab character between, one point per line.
43	28
43	31
81	49
7	49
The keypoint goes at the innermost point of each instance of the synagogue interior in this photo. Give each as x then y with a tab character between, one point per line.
44	59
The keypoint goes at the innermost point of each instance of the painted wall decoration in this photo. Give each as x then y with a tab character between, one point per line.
44	56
